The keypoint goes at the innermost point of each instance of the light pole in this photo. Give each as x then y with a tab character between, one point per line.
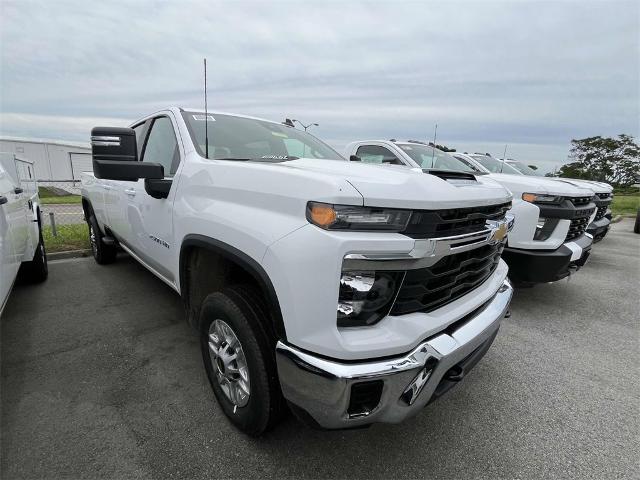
305	126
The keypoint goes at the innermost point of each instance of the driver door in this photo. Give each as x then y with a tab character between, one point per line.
150	219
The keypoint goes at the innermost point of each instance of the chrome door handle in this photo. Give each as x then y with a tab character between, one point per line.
131	192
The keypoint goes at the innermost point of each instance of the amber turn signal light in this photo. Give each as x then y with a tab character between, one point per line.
322	215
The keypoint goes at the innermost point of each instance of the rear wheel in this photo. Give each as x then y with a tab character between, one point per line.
239	359
102	253
37	270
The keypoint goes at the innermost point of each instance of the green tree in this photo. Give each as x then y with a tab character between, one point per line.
614	160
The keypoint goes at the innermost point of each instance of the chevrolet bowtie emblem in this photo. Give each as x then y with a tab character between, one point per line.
500	232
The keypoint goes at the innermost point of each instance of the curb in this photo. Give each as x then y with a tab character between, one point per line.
619	218
68	254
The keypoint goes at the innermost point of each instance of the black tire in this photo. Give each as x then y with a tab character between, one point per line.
241	308
636	227
103	254
37	270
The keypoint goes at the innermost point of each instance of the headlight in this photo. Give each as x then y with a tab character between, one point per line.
536	198
347	217
366	297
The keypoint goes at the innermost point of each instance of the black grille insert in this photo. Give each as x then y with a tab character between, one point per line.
577	201
426	289
602	211
577	227
454	221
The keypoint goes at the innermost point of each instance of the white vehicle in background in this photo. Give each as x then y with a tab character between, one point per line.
600	225
548	240
21	246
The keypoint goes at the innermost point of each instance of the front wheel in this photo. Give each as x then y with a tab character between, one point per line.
239	359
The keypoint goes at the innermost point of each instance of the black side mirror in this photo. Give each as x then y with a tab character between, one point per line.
115	156
3	200
355	158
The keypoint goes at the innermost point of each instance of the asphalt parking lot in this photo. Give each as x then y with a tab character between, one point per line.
101	377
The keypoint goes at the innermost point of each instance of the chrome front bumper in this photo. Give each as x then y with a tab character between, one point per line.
320	389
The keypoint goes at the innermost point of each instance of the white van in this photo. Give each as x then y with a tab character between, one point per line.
21	246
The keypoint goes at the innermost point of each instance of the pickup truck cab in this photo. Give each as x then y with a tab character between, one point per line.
600	224
22	252
352	294
548	240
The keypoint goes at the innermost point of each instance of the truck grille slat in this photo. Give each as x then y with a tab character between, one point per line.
577	227
427	289
602	211
454	221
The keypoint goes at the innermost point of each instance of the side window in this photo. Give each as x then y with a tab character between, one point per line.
139	129
377	154
162	146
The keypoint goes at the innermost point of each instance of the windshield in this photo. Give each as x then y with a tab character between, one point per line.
494	165
523	169
429	157
238	138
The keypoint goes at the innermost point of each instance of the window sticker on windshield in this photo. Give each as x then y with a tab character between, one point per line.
202	117
278	134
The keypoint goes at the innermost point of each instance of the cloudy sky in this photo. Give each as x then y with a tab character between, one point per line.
530	74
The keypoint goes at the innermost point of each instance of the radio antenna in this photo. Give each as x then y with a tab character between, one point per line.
433	151
504	158
206	114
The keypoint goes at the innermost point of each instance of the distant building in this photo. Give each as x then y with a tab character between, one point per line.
53	160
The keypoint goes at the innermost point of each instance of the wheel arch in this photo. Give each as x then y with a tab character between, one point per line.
239	259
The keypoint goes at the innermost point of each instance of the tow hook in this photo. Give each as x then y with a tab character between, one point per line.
507	314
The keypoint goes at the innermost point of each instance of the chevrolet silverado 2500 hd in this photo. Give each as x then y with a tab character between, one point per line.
547	242
603	192
22	251
356	295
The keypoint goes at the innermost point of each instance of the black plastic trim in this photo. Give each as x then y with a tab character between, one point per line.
3	200
541	266
246	262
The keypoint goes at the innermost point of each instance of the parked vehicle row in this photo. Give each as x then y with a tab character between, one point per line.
549	239
22	252
349	292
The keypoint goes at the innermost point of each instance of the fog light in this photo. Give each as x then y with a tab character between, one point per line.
365	297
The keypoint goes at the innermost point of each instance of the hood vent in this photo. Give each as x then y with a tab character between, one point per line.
452	176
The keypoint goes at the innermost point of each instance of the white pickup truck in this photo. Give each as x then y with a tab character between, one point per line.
22	252
548	240
600	224
356	294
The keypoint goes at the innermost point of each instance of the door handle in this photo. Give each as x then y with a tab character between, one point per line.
3	200
131	192
18	190
105	187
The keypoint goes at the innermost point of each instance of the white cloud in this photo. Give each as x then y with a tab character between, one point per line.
532	73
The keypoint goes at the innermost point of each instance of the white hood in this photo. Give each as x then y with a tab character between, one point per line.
597	187
403	187
519	184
